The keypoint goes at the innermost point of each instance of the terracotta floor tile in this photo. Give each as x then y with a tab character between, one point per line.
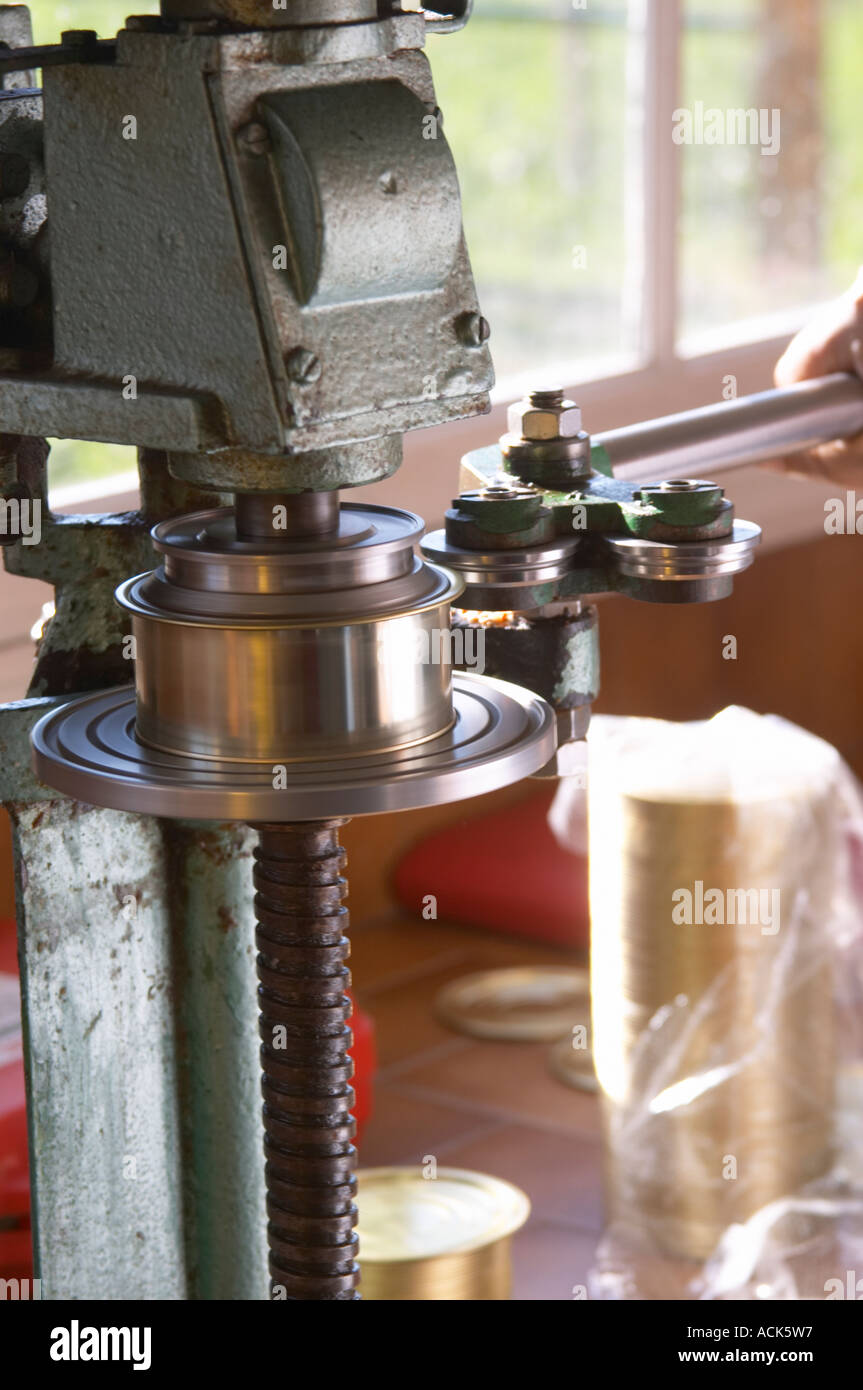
496	950
403	1013
403	1129
560	1173
384	953
510	1079
492	1107
549	1262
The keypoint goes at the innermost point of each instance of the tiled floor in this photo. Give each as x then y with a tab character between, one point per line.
488	1106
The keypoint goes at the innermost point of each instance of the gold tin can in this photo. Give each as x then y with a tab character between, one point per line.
446	1237
714	1039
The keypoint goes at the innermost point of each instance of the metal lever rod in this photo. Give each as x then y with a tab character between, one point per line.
56	55
716	438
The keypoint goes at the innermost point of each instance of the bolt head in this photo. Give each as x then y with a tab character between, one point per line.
671	492
531	422
78	38
473	329
682	501
671	487
498	492
254	138
146	23
303	366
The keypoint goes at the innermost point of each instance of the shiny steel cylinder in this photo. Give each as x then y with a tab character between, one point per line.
289	693
259	652
732	434
259	515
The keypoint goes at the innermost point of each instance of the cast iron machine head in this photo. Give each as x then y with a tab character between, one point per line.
257	275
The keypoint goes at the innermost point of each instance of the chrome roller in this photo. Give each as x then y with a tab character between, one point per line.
503	579
685	571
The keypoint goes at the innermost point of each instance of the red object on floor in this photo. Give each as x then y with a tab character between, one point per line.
365	1063
16	1259
503	871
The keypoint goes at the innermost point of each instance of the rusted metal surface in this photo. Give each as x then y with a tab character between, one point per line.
138	986
558	657
305	1037
344	465
163	495
95	958
210	340
208	893
25	324
79	46
84	646
84	558
80	409
18	783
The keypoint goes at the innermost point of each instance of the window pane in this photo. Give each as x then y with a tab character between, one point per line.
535	110
772	212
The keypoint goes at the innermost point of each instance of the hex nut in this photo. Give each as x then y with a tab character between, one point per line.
681	500
537	423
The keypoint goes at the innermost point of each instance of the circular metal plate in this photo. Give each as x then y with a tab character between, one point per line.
535	1003
573	1066
88	750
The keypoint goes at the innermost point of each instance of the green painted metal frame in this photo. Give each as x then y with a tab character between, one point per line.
137	956
136	946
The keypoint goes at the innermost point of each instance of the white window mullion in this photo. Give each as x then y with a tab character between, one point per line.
653	173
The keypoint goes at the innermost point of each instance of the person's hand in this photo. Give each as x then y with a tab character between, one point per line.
832	342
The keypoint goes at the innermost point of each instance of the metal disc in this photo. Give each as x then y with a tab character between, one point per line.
534	1003
573	1066
88	750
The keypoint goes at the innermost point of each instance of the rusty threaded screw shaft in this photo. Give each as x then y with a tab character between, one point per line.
306	1070
550	399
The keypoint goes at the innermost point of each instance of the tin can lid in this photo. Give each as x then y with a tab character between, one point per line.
573	1065
406	1216
538	1003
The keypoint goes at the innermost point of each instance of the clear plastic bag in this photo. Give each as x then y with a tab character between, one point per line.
727	973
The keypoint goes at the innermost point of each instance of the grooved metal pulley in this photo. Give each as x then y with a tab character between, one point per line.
290	679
